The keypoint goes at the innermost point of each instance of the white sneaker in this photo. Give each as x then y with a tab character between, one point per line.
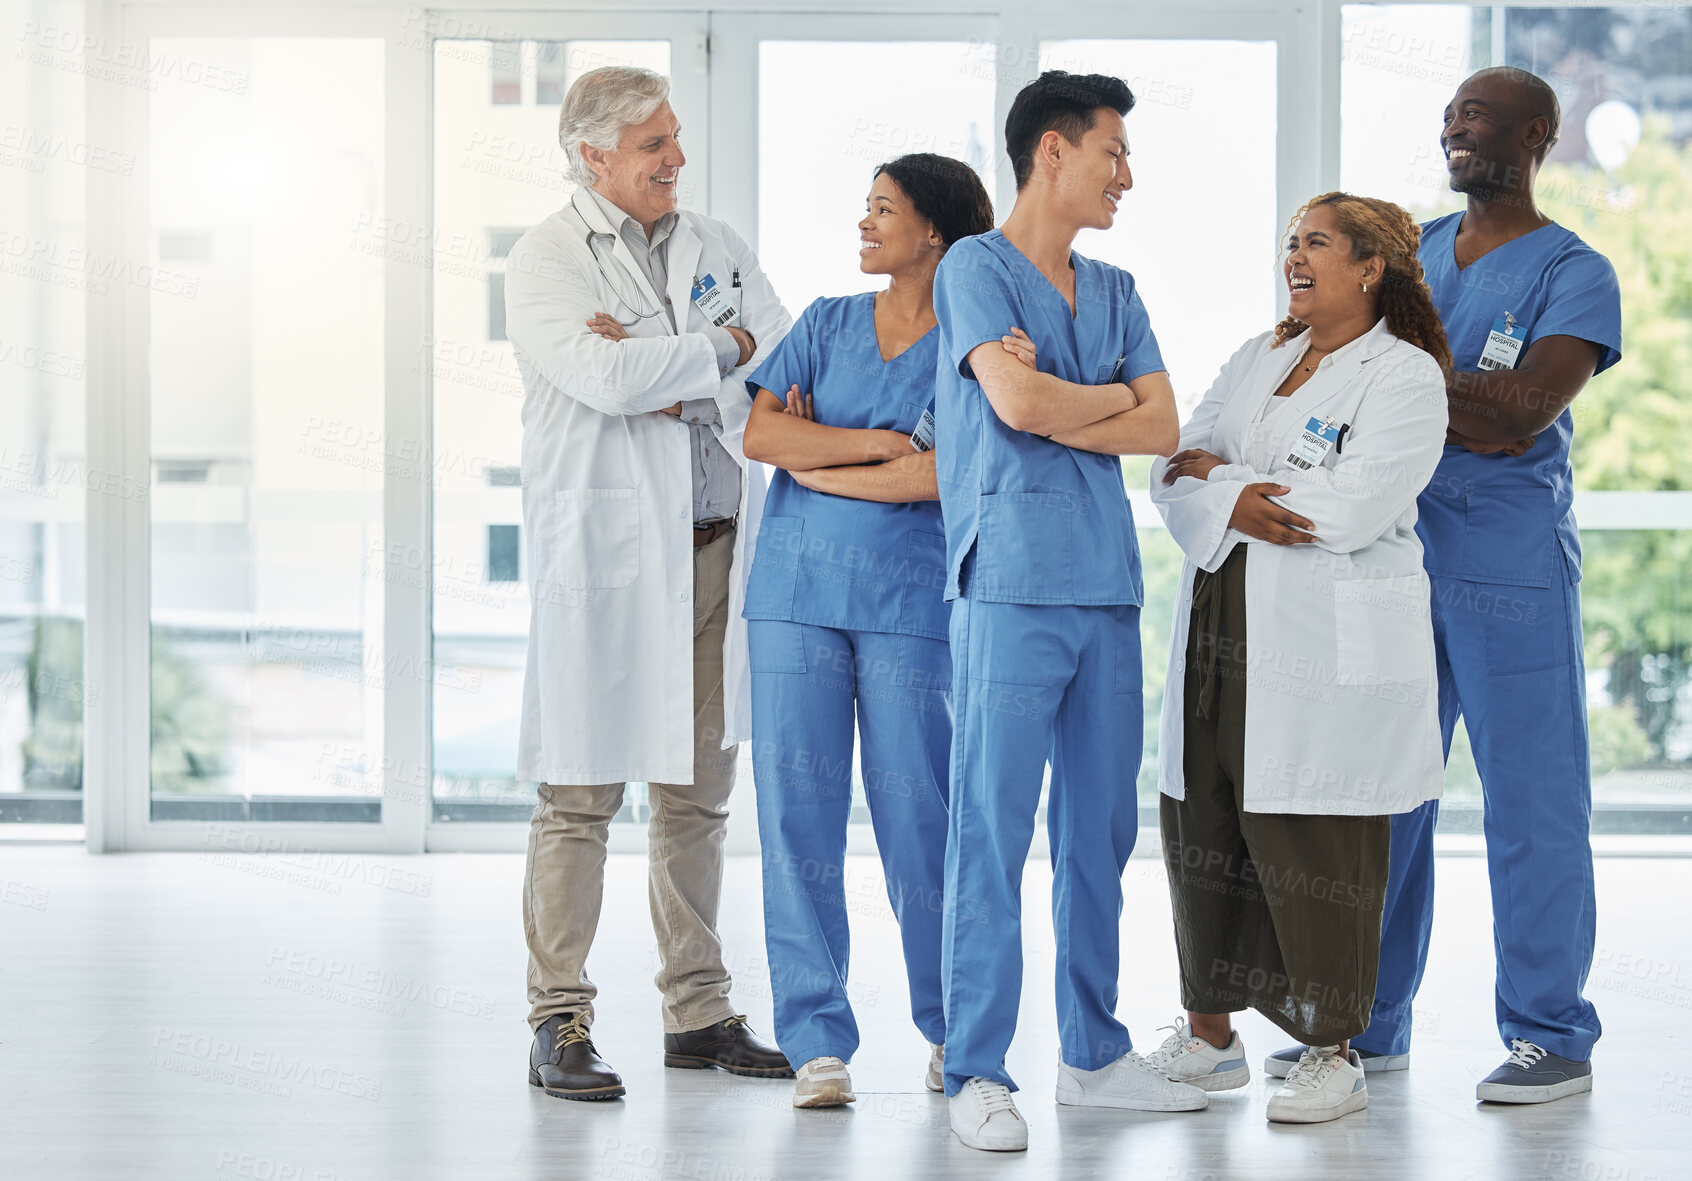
823	1082
984	1117
935	1079
1188	1058
1129	1082
1323	1086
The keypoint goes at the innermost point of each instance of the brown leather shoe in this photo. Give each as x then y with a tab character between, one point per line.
728	1045
563	1062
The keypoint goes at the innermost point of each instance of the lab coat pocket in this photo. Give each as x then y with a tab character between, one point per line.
596	545
775	568
922	599
1383	630
1025	551
1508	536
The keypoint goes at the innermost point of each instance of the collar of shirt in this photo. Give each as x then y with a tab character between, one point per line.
630	230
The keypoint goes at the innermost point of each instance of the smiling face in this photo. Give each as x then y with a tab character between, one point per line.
1093	175
1490	138
639	177
893	236
1324	282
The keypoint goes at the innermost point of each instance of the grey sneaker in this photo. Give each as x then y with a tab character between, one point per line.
1280	1063
1532	1075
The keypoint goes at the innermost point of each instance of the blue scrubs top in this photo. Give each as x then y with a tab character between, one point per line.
1493	518
832	561
1034	521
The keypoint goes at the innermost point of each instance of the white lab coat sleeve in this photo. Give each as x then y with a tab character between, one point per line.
761	314
1197	511
549	298
1380	473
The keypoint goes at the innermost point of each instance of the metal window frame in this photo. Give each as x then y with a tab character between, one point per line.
723	85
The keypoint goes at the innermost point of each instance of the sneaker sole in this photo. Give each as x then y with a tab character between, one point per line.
1356	1101
1224	1080
1075	1097
592	1094
1023	1147
937	1085
827	1095
1280	1067
689	1062
1504	1093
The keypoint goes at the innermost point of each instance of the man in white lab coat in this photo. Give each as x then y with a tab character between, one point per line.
634	326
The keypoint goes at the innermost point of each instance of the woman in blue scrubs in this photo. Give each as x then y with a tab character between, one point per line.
847	620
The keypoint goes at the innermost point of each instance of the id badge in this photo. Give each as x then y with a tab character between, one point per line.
708	297
1313	442
1503	344
923	437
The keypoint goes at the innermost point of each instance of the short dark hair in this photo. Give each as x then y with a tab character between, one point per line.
945	191
1062	102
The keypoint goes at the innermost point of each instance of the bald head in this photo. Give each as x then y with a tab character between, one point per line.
1532	98
1498	129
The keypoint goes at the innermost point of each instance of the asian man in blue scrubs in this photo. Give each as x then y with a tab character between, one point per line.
1532	313
1048	371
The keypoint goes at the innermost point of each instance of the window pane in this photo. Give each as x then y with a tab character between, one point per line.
1615	176
816	160
1187	93
43	472
266	359
498	170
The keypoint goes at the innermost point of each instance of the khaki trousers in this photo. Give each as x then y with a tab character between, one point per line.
564	881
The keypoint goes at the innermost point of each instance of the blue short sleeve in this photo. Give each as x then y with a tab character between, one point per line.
792	362
1140	354
973	302
1583	300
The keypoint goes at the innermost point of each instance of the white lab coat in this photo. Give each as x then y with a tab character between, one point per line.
608	495
1342	711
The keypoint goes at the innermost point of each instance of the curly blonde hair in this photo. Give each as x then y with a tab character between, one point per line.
1378	227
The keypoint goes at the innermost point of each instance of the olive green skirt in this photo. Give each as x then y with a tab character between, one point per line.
1276	912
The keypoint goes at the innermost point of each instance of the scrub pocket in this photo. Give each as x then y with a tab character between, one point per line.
775	646
1508	538
595	541
922	600
775	568
1026	548
1527	629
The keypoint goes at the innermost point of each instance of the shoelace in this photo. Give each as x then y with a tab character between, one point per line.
1314	1066
737	1019
573	1031
1524	1053
1173	1046
991	1097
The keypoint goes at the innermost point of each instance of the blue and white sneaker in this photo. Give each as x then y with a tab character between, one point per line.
1187	1058
1280	1063
1322	1085
1531	1074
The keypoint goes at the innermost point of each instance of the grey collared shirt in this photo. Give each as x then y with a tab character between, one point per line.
716	476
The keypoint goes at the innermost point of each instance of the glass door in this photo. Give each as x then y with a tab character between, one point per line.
497	170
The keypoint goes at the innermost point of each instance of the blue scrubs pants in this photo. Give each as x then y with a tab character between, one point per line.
807	683
1031	684
1511	663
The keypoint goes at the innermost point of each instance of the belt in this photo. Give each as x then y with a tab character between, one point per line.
707	533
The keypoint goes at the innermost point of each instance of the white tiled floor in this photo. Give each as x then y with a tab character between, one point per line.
340	1018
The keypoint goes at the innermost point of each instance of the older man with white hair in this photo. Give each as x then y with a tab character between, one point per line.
634	325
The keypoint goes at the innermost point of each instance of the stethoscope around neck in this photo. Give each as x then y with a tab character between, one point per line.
597	242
